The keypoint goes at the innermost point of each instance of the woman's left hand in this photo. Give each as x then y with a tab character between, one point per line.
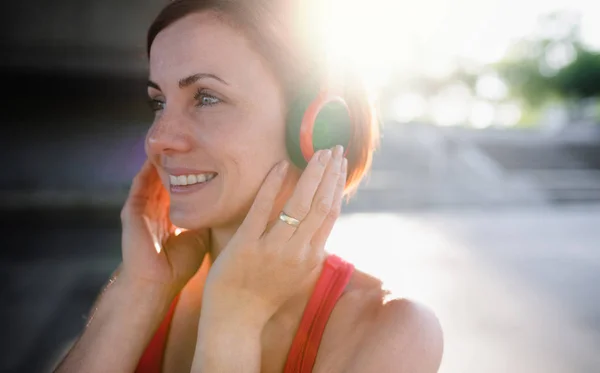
263	266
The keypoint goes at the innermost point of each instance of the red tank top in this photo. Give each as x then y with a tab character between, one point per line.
332	281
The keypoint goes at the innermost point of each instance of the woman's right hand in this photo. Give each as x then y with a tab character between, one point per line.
152	253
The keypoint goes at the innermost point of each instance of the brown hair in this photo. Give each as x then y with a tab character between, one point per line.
295	58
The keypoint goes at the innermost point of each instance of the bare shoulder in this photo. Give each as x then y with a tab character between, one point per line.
384	334
405	337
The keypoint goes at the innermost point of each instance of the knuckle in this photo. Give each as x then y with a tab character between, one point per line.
312	262
336	209
323	206
301	210
294	260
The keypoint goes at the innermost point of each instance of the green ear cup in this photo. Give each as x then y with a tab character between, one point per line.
332	127
294	121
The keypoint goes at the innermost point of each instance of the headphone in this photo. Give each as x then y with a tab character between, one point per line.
315	123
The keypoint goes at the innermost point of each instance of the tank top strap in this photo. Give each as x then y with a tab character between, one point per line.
332	281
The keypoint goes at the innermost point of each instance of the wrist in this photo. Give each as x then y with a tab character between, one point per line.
229	342
234	308
140	285
145	293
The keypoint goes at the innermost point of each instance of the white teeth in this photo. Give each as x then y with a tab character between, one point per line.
190	179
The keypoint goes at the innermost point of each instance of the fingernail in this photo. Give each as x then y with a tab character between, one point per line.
345	165
339	150
282	168
324	156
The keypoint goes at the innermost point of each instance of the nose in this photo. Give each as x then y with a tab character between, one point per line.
167	136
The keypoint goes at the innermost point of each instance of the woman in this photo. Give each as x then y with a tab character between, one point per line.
223	76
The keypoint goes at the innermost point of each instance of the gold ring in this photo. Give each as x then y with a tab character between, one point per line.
288	219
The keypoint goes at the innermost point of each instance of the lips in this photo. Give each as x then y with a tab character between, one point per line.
191	179
187	180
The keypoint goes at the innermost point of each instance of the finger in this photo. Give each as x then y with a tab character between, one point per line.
185	252
299	203
161	207
143	188
322	202
320	238
256	221
144	178
188	240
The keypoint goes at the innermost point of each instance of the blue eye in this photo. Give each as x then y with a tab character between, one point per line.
205	99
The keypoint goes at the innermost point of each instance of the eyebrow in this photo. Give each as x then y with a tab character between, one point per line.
187	81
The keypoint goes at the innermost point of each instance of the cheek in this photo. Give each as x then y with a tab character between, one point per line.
251	151
244	146
251	139
250	158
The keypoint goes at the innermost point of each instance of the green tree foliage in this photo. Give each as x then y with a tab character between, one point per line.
531	73
581	78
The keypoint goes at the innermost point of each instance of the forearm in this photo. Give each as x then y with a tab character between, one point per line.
121	326
227	344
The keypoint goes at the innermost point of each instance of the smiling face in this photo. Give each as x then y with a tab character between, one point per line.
220	117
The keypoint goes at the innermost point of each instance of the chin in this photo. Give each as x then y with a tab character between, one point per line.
188	221
189	217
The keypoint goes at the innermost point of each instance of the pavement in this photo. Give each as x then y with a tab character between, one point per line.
516	290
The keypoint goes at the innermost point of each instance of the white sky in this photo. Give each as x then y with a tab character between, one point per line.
427	35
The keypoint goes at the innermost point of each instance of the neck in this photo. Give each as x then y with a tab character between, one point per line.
219	237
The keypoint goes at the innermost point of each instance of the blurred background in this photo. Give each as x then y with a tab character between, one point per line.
483	202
